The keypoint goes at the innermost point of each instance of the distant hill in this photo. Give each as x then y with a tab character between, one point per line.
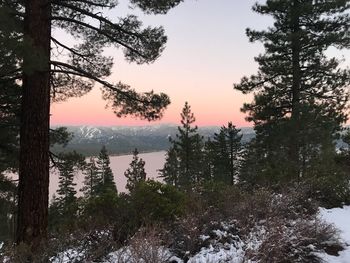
123	139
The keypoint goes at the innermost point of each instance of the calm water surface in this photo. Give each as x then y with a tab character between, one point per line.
153	162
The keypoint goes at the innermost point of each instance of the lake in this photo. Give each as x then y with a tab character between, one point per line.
153	162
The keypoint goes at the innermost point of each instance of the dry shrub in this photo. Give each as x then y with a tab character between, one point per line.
92	246
252	208
263	205
295	241
82	246
146	246
97	245
183	236
22	253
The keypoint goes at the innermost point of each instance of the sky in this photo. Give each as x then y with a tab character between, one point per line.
206	53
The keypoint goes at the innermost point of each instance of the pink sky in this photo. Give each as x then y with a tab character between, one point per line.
206	53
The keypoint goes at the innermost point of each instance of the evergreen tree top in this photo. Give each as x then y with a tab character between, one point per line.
294	72
316	25
187	119
136	172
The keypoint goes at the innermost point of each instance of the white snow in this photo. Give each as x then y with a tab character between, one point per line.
67	256
204	237
340	218
219	251
90	132
233	253
140	255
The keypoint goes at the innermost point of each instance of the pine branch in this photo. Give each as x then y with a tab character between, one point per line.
99	31
85	2
98	17
52	158
82	73
72	50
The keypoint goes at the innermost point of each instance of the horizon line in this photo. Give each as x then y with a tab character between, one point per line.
141	125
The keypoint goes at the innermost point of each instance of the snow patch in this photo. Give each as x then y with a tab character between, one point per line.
340	218
227	253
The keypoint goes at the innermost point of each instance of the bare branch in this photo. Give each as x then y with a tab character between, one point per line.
72	50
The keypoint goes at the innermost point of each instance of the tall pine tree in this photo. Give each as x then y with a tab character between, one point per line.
105	174
299	93
136	172
41	76
226	151
10	92
188	147
91	179
171	169
64	205
69	164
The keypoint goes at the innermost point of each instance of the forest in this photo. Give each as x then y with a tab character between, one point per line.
218	198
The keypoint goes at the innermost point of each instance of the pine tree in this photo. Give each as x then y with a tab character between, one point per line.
208	160
226	149
234	143
136	172
41	76
188	147
300	93
91	179
220	158
10	94
69	163
64	205
105	174
171	169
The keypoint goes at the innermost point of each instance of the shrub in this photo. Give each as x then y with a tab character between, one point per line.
99	211
145	246
330	191
149	203
294	242
157	202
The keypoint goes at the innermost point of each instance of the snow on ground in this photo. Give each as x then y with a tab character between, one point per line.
233	251
340	217
228	253
224	246
69	255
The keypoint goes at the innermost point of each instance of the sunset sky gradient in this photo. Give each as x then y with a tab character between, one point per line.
207	51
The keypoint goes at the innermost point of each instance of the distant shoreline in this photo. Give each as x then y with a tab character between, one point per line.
125	154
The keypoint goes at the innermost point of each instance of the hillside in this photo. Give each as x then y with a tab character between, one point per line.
123	139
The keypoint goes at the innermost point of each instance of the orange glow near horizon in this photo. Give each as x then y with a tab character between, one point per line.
91	110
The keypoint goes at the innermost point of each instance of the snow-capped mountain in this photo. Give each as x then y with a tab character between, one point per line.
123	139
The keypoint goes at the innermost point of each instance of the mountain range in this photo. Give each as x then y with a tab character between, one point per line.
124	139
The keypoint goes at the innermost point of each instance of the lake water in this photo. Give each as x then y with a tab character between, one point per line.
153	162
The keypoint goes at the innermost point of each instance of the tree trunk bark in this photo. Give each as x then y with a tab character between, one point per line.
33	186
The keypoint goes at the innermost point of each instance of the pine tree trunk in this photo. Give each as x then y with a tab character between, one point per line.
34	135
295	115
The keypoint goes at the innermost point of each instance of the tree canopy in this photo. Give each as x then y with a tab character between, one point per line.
300	93
50	70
